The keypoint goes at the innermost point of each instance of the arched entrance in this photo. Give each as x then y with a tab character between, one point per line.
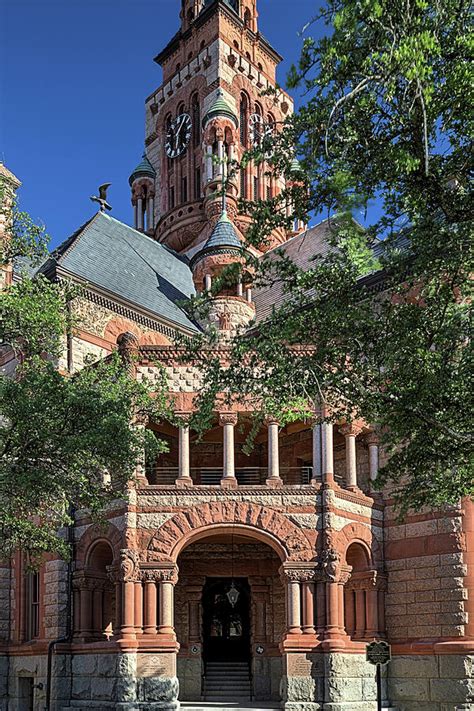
226	620
229	618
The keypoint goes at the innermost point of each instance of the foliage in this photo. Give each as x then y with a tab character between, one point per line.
387	119
66	440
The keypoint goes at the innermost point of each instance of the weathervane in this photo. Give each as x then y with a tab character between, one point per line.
102	199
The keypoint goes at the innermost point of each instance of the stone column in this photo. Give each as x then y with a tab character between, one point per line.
140	213
77	606
184	476
209	166
138	597
317	454
291	579
328	452
220	158
294	607
360	613
240	288
129	575
149	214
150	612
86	609
127	629
350	611
308	607
135	216
228	421
320	606
371	612
273	454
168	578
350	432
97	607
373	444
207	282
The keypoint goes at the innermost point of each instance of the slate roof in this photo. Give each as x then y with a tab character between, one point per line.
223	234
220	107
110	255
144	168
300	249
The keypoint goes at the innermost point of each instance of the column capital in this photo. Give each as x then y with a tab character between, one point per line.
351	429
294	573
372	438
270	420
184	417
168	574
228	418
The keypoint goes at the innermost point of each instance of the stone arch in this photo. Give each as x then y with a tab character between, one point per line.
117	326
261	522
98	534
153	338
358	533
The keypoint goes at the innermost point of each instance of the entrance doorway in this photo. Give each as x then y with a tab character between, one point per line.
226	627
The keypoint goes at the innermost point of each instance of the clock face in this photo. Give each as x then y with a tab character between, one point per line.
259	129
178	135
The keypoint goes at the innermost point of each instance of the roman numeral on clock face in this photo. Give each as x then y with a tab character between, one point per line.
178	136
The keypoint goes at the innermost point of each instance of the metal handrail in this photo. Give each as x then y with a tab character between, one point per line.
246	476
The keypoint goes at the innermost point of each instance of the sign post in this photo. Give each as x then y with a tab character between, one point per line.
379	654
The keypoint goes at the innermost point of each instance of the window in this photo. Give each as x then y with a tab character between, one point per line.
256	186
196	119
197	183
244	110
171	197
243	183
269	191
32	601
184	189
247	18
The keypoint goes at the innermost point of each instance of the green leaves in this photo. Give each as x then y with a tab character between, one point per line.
58	437
386	119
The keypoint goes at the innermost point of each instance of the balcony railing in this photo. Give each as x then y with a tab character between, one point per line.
246	476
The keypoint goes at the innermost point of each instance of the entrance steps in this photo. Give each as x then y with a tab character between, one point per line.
227	681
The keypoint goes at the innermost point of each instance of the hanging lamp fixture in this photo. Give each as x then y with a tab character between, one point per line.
232	594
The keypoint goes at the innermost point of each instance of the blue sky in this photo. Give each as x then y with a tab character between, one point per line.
73	80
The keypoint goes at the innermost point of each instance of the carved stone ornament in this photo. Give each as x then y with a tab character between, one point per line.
298	575
160	575
330	560
228	418
129	565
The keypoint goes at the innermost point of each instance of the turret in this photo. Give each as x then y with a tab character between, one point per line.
220	127
230	308
142	182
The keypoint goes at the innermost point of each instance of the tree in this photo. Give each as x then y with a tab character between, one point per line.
385	316
60	434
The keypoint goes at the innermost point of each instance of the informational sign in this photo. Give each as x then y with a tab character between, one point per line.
378	653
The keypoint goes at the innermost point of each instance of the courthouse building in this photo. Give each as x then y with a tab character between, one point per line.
227	577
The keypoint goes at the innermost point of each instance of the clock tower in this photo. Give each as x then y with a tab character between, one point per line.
207	112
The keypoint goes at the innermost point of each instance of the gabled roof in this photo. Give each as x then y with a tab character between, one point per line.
112	256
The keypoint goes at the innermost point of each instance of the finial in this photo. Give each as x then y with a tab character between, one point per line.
102	199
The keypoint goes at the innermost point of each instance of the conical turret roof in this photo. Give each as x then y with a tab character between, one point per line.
220	107
143	169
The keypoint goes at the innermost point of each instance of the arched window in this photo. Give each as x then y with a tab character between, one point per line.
196	119
244	118
96	616
247	18
363	597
